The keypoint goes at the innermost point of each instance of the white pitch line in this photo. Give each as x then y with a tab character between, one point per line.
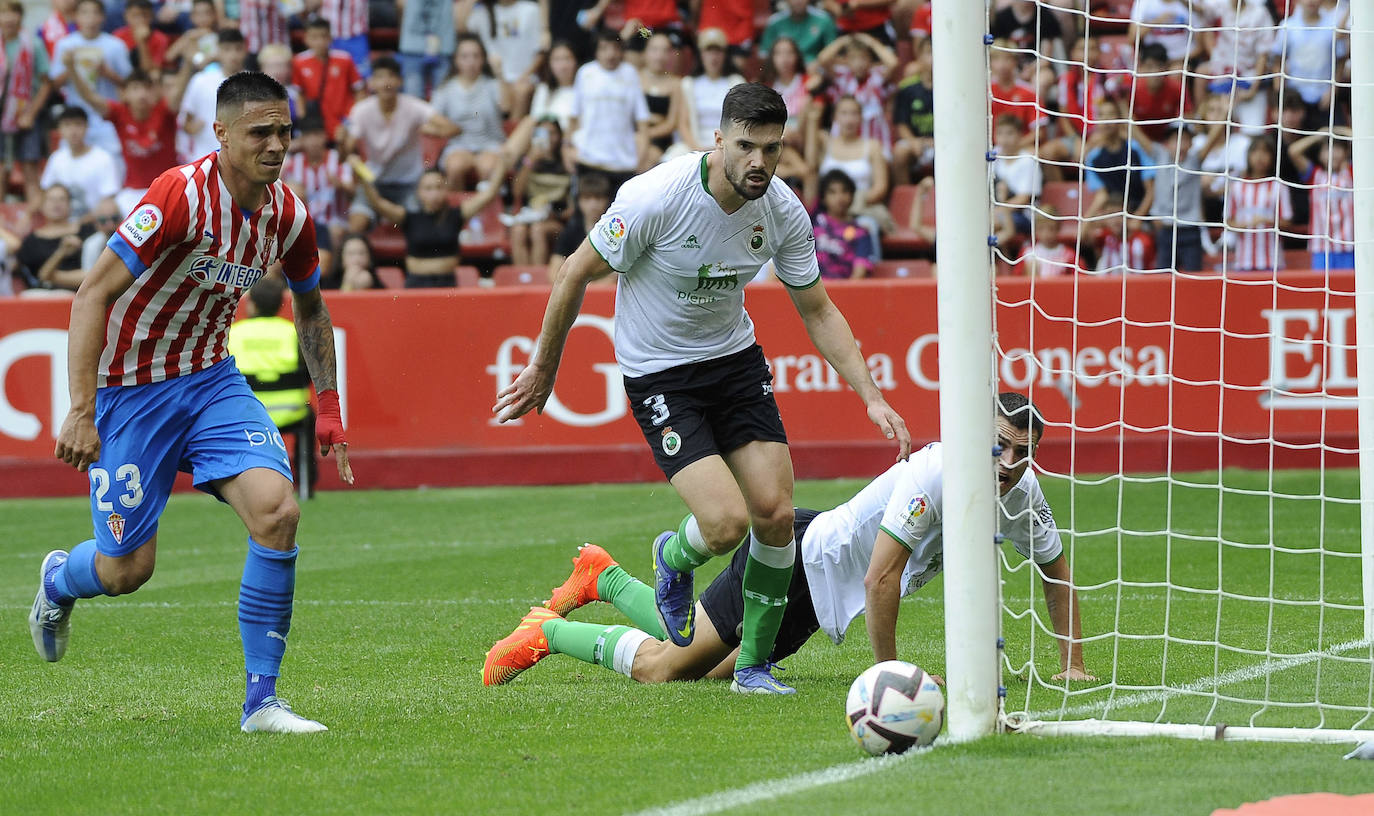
777	788
1202	685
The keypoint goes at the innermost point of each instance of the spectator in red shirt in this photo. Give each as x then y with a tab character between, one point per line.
146	123
327	78
1158	99
1009	94
147	45
866	16
736	19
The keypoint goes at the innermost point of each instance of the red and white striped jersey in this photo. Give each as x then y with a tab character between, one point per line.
193	253
262	22
1333	210
321	194
347	18
1049	261
1253	208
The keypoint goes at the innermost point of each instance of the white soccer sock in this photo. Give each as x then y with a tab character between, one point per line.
775	557
625	650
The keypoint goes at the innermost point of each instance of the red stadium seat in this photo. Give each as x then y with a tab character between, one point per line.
907	268
510	275
493	240
1066	197
904	241
430	148
391	277
388	244
467	276
1297	259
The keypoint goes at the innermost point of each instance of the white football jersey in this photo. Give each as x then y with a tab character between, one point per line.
906	502
684	263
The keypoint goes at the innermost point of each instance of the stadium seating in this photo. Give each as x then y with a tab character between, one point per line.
510	275
15	218
467	276
1066	197
393	277
904	242
388	244
492	241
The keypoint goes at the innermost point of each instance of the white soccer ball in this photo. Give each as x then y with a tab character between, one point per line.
894	706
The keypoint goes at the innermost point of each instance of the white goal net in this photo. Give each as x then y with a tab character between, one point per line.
1180	199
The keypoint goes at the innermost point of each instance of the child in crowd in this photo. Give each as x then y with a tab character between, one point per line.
1332	196
475	101
844	249
1257	207
357	271
858	65
328	79
1046	255
1016	180
321	177
593	199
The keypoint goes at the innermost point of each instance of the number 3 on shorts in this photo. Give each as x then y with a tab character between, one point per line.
660	408
133	486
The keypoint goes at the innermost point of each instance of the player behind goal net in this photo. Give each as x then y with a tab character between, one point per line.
1180	278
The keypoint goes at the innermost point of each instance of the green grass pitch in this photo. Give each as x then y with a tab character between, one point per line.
400	593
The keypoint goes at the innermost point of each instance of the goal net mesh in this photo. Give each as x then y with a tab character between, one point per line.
1173	200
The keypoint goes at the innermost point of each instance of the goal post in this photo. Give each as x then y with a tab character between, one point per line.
966	381
1204	425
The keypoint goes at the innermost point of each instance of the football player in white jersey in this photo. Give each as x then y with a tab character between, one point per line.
857	559
685	238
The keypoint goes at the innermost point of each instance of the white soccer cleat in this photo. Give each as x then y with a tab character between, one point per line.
49	623
274	716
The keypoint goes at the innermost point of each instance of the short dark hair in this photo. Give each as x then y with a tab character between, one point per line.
752	104
16	6
1154	52
245	87
312	122
231	36
316	21
386	64
266	295
1021	413
840	177
98	4
609	35
594	184
146	5
73	113
137	75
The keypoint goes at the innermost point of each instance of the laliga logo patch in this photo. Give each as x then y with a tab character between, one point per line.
916	507
614	231
116	524
756	240
672	443
141	224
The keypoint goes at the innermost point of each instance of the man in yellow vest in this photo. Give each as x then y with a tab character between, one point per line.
267	352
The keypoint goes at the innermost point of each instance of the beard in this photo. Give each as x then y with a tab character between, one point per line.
745	192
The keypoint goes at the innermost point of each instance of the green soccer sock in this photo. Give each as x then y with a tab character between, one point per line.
634	599
594	642
767	574
686	551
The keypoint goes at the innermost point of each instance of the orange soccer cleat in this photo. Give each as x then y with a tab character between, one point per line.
519	650
580	588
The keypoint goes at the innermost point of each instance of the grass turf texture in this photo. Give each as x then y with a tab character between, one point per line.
401	593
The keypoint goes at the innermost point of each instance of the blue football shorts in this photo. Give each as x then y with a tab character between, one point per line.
207	424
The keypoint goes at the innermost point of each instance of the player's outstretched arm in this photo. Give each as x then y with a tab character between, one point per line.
832	337
315	331
78	444
531	389
1062	601
882	592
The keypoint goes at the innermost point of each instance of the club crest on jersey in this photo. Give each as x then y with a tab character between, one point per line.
672	442
141	224
116	524
756	240
614	232
209	270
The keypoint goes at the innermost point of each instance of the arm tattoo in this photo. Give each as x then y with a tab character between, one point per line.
315	332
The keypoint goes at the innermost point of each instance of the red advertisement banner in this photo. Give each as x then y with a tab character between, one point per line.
1172	365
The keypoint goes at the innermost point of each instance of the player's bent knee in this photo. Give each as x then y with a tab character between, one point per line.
275	527
120	576
723	533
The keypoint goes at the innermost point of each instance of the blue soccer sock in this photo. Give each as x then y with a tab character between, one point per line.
260	687
269	582
75	577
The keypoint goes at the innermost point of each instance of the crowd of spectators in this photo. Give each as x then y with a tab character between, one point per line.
432	134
